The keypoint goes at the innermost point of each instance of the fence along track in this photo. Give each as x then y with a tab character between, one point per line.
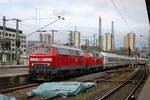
125	90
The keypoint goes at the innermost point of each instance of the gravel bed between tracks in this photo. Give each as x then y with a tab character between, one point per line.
105	83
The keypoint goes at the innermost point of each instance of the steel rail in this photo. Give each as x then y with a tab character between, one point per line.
137	86
121	85
29	84
23	86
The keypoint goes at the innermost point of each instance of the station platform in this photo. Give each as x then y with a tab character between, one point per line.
4	72
13	76
145	93
13	66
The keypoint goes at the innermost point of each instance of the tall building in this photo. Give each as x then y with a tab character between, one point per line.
106	42
74	39
46	38
130	41
10	34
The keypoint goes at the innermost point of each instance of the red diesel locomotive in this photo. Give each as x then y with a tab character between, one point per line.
50	61
93	60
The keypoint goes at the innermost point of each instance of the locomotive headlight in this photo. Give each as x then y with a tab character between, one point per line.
32	64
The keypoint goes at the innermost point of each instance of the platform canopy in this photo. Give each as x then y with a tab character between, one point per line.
148	8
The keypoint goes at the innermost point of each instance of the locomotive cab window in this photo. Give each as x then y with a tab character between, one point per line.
36	50
46	50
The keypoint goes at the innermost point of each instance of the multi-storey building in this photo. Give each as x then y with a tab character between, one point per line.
46	38
130	41
74	39
10	34
106	42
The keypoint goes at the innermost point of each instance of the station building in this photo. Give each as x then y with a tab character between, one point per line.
10	34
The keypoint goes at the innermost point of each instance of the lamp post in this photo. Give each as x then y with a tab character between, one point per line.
17	35
148	45
17	38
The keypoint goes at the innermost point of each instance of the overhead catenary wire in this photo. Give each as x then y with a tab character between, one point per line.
36	18
123	5
125	11
133	25
28	26
43	27
120	14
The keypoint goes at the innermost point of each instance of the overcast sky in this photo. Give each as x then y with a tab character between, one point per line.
128	16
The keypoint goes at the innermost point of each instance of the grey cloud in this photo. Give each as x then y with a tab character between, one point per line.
94	3
78	13
61	12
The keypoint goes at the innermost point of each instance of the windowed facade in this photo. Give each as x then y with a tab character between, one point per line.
11	34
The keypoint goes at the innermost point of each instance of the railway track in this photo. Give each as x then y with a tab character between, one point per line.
21	86
30	84
126	90
96	77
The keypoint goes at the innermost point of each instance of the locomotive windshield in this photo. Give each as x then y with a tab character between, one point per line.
46	50
36	50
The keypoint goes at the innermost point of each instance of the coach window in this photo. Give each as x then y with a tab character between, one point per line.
46	50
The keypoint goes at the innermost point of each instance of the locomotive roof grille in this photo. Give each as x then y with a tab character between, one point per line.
57	46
